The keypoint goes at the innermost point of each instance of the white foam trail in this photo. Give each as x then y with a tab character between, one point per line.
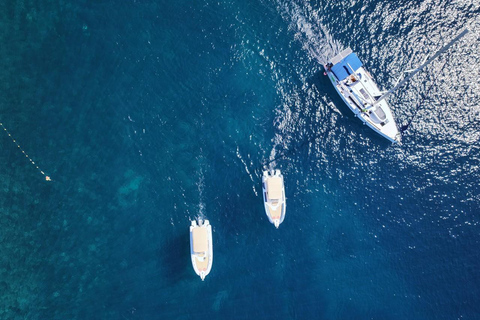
278	141
315	38
272	158
318	43
239	156
201	188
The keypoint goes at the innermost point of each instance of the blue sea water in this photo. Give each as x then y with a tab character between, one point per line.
148	114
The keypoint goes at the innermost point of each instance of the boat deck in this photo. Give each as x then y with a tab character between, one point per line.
201	254
275	196
275	213
200	239
274	188
202	265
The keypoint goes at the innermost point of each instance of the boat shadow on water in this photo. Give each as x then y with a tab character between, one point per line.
175	258
325	89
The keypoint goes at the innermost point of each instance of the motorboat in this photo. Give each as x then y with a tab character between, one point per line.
201	247
360	93
274	196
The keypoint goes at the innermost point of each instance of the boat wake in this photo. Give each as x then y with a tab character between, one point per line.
272	159
239	156
306	24
201	188
299	100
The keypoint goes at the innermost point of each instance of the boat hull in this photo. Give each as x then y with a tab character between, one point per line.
360	96
275	211
201	261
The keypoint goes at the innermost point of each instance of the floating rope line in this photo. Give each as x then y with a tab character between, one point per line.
424	96
47	178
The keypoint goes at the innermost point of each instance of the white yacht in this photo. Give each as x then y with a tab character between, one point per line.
274	196
358	90
201	247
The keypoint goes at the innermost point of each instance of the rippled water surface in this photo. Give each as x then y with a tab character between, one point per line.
148	114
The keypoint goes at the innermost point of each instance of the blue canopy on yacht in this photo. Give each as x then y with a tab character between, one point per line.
342	69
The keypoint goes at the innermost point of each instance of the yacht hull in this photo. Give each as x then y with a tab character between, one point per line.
359	92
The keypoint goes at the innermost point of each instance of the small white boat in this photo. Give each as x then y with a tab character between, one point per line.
274	196
201	247
358	90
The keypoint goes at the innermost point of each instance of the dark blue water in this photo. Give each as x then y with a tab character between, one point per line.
147	114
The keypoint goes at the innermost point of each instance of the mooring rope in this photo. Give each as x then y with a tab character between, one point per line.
47	178
419	105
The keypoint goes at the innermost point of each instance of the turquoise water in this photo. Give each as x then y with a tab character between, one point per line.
149	114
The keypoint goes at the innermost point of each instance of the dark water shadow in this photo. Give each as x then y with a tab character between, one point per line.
231	212
175	256
325	87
